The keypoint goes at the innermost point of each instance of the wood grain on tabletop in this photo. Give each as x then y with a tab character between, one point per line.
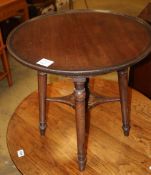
108	151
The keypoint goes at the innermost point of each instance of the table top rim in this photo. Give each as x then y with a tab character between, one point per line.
79	72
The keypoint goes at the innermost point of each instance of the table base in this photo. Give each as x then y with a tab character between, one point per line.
82	99
108	151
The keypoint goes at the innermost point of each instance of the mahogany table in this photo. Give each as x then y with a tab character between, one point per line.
81	44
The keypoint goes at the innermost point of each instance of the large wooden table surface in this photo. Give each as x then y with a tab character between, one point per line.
109	152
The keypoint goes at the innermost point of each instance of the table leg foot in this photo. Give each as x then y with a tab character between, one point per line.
126	130
82	162
42	127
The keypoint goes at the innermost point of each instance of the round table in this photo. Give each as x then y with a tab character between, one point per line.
80	44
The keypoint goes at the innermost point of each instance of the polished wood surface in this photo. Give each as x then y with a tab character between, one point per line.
100	42
109	152
82	99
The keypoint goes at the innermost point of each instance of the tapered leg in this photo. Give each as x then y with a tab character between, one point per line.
42	86
80	120
123	88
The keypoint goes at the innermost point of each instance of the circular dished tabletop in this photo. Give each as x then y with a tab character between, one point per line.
81	42
108	151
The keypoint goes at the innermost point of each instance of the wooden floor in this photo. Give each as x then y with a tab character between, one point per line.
108	151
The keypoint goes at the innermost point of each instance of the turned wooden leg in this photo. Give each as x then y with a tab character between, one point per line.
123	88
42	86
80	96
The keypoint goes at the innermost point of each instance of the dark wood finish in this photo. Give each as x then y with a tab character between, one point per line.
109	152
146	13
139	76
80	97
123	88
92	37
42	89
99	43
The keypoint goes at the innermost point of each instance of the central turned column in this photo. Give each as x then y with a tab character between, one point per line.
80	96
